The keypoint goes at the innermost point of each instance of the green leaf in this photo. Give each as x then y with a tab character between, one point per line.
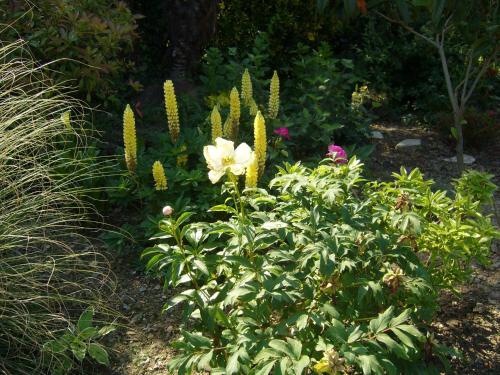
330	310
403	338
265	369
79	349
437	11
106	330
392	345
85	319
403	10
201	266
412	330
233	365
382	321
98	353
301	364
282	347
88	333
204	362
401	318
55	346
183	218
296	346
197	340
369	364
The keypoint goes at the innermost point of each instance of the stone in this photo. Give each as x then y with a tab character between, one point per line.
377	135
468	159
409	143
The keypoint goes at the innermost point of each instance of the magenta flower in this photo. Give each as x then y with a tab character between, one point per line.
282	132
337	153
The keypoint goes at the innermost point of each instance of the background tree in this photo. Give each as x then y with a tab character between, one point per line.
470	28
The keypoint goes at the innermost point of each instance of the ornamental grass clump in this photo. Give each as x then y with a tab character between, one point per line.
49	271
324	273
172	110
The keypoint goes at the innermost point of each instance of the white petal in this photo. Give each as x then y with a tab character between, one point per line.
213	157
237	169
242	154
225	147
215	176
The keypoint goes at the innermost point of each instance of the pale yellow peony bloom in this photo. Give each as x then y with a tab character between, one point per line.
216	122
274	96
223	158
172	111
252	174
159	176
129	138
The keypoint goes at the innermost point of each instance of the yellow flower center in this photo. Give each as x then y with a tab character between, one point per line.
227	160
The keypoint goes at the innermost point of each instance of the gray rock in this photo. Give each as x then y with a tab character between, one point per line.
468	159
377	135
409	143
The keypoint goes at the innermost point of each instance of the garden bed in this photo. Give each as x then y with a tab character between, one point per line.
469	322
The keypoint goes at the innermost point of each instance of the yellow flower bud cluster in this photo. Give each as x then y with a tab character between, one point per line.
246	88
260	141
274	96
159	176
234	112
182	158
129	138
172	111
216	121
66	119
252	173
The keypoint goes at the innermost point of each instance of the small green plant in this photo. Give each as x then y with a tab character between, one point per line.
323	275
77	342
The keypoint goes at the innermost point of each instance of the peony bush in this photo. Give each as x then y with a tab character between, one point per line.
324	273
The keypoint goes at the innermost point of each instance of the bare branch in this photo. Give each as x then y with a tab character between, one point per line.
481	73
409	28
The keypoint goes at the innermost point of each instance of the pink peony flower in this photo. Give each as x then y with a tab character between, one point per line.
283	132
167	211
337	153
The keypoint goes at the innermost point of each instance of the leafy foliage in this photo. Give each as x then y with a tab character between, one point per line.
324	274
89	39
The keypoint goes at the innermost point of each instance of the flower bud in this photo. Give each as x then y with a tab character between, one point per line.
167	211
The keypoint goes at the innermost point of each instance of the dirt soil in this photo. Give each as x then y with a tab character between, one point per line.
469	322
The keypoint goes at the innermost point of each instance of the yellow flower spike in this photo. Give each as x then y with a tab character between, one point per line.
129	138
172	111
253	109
252	174
66	119
260	141
234	111
274	96
159	176
216	122
182	158
246	88
228	128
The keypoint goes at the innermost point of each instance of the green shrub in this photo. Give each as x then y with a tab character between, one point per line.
328	273
481	128
49	271
89	39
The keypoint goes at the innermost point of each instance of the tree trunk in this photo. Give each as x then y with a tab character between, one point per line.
191	25
458	118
